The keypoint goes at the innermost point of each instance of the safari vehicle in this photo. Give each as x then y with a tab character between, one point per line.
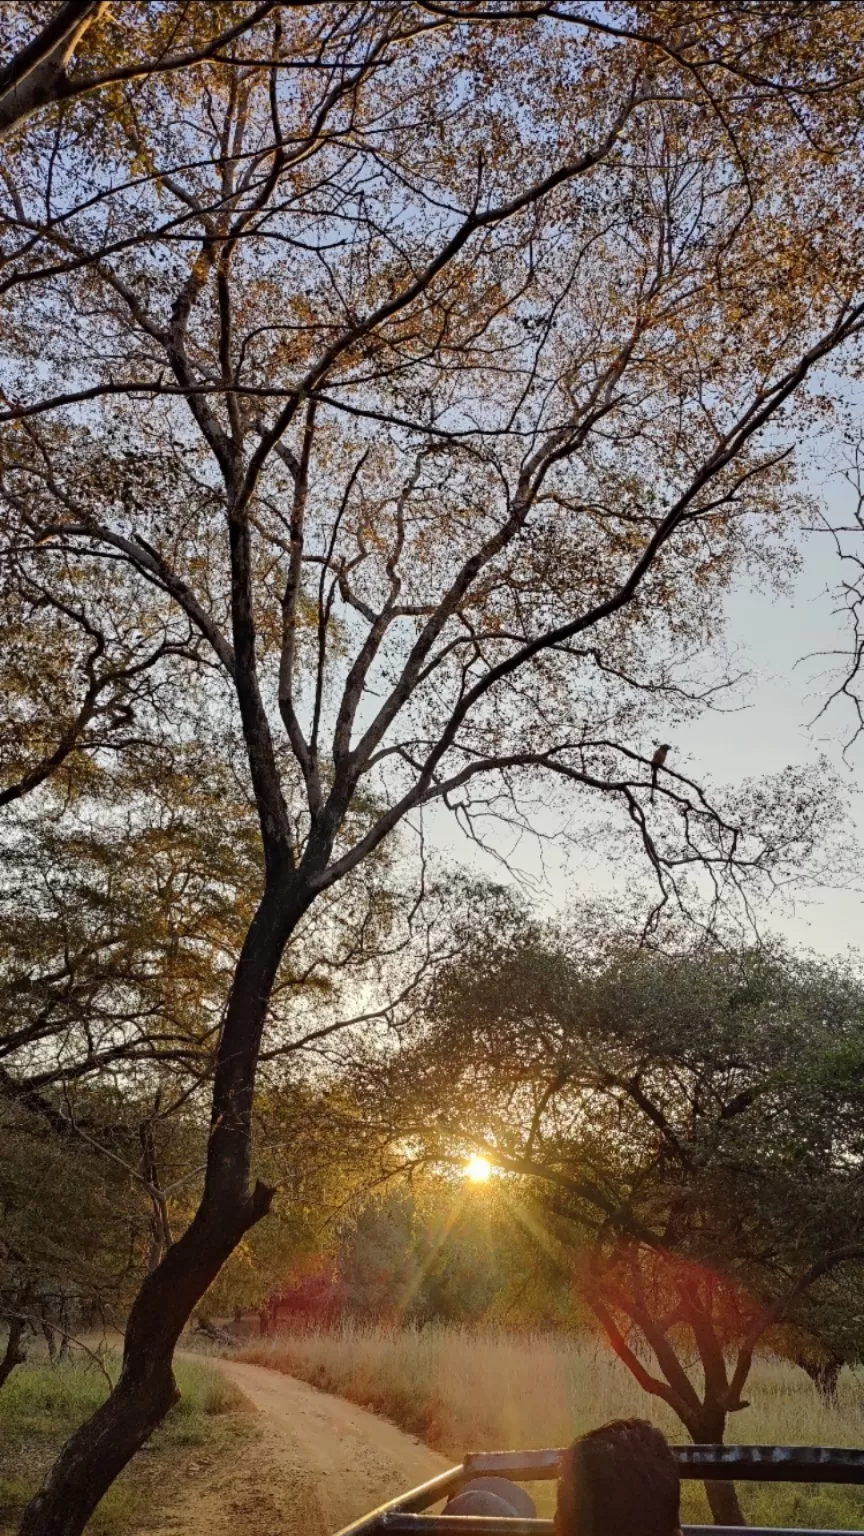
404	1516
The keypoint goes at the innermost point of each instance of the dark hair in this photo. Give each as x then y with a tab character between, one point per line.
620	1480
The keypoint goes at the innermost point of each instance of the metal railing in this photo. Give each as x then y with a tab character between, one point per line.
404	1515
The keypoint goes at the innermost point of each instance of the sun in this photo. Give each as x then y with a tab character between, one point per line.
478	1169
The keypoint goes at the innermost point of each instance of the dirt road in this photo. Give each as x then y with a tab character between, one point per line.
311	1464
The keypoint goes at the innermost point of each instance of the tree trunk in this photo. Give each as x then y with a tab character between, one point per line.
50	1338
35	76
722	1497
725	1508
99	1450
14	1355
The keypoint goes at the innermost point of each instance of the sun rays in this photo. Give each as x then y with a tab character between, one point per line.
478	1169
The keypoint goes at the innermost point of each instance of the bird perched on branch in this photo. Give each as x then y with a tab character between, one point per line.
657	762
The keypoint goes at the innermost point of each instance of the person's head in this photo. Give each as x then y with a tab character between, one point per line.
620	1480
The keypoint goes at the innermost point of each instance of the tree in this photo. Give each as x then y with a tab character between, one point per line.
111	44
418	1254
376	1259
438	380
120	923
74	1234
83	680
693	1121
467	1260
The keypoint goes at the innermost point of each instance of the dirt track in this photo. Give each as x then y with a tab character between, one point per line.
313	1463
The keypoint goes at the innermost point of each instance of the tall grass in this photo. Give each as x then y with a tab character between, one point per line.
461	1390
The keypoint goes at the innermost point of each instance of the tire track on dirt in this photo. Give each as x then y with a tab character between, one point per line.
313	1463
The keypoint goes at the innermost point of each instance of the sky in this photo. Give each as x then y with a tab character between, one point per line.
772	637
776	728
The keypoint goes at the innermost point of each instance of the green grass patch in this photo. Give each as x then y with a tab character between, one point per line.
14	1493
41	1405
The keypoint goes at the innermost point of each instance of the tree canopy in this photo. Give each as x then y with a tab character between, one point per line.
687	1127
391	394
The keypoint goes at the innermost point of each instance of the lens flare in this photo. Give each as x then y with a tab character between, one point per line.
478	1169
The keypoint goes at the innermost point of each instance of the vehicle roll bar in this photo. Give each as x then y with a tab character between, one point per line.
403	1516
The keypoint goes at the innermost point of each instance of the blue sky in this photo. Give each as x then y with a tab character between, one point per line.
776	727
772	637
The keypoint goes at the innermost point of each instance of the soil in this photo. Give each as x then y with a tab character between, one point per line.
313	1464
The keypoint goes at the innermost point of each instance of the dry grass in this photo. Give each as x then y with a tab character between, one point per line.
461	1391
